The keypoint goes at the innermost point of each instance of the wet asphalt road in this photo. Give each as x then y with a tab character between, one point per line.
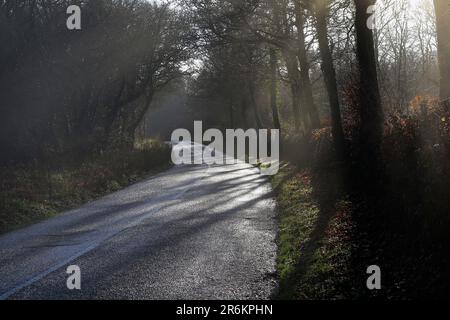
192	232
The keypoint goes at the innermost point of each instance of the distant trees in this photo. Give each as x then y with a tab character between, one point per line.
261	63
292	43
302	56
83	91
303	34
405	44
236	63
442	8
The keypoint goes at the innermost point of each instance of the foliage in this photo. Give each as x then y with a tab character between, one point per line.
83	91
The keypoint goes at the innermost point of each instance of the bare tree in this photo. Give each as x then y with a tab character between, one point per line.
308	99
442	8
329	73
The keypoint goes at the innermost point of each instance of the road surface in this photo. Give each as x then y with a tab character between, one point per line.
192	232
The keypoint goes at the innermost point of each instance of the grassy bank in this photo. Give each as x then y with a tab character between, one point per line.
34	192
314	245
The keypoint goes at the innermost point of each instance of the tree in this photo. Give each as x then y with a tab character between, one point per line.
273	56
273	88
84	90
369	96
329	73
308	99
442	8
288	46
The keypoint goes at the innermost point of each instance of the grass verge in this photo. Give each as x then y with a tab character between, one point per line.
34	192
314	250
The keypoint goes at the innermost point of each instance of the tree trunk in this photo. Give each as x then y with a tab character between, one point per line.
273	88
244	111
329	75
310	106
442	8
369	96
230	106
133	119
252	92
294	79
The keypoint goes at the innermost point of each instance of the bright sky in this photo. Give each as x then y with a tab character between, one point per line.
414	3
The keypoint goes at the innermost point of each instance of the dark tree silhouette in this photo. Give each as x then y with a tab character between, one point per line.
369	95
329	73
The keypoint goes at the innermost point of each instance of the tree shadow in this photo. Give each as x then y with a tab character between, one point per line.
327	192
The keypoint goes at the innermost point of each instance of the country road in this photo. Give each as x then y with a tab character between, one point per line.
191	232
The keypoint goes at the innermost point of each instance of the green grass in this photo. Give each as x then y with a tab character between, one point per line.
33	193
313	246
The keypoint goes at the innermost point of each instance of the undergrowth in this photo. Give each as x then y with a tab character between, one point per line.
35	191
